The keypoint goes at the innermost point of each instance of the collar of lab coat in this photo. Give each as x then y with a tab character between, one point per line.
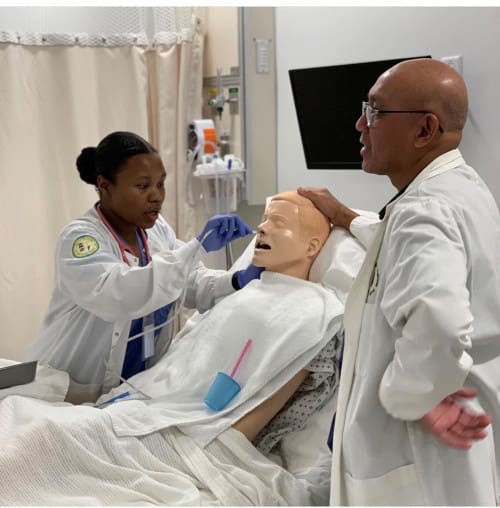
445	162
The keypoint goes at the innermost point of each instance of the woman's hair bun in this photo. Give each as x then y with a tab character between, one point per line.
86	165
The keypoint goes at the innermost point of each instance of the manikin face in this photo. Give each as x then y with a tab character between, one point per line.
136	196
280	245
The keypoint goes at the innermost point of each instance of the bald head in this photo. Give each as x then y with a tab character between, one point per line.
401	146
427	84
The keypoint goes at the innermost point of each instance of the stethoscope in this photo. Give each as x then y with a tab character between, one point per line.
124	248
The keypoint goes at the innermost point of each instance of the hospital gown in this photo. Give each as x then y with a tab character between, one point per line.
310	397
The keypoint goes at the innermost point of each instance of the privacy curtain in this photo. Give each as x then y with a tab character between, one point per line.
59	94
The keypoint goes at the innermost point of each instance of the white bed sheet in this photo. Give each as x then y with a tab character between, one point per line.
61	454
42	440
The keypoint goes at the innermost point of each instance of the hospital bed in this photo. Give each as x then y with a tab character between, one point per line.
302	453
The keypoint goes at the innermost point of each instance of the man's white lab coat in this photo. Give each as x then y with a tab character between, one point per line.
421	321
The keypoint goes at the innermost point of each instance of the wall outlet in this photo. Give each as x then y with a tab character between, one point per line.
454	61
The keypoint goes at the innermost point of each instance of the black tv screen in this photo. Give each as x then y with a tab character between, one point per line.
328	103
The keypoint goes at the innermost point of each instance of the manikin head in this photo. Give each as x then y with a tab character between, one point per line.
290	235
422	109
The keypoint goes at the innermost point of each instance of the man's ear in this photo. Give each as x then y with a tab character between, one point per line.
429	128
313	247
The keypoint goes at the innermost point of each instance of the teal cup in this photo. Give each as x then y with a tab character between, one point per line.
222	391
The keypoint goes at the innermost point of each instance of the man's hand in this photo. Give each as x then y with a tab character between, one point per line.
337	213
454	425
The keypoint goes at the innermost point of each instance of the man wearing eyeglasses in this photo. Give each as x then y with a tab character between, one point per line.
421	321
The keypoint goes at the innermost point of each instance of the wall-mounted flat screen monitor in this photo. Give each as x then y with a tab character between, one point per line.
328	103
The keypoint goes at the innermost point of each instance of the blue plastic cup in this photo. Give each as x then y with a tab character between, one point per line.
222	391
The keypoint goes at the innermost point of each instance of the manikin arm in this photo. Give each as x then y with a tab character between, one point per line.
254	421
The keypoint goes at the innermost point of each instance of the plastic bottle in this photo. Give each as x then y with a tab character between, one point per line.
224	144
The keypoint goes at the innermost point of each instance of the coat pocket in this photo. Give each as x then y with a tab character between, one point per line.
399	487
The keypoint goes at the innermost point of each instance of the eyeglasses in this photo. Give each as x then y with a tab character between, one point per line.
370	113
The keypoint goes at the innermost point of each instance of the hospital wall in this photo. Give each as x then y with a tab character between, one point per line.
319	36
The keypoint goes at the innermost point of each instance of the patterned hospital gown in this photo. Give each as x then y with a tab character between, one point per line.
311	395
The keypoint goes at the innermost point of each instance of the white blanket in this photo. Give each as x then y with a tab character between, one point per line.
174	450
289	320
58	454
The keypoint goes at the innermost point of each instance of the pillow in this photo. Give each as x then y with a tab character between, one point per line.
338	262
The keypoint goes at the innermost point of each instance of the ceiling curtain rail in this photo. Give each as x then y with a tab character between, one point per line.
78	39
97	26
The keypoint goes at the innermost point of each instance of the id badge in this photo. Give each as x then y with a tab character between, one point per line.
148	341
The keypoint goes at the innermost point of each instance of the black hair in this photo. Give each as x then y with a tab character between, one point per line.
110	154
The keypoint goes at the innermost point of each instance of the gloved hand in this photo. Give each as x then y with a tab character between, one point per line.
250	273
221	230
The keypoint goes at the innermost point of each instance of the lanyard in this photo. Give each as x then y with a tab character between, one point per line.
147	323
121	244
381	214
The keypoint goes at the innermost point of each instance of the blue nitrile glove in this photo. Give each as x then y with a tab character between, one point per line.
221	230
250	273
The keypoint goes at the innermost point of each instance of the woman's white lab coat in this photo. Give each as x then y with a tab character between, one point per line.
97	296
421	321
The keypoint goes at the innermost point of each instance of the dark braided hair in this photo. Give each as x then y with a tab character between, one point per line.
110	154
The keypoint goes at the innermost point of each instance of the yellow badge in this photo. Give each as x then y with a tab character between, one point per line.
85	246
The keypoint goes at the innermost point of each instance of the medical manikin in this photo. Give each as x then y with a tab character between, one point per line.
288	240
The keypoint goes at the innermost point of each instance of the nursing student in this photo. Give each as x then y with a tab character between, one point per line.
120	268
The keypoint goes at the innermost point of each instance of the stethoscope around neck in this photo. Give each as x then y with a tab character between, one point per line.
124	248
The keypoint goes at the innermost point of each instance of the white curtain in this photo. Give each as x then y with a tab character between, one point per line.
177	68
62	92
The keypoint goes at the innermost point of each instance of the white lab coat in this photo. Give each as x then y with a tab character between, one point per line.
95	298
423	309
